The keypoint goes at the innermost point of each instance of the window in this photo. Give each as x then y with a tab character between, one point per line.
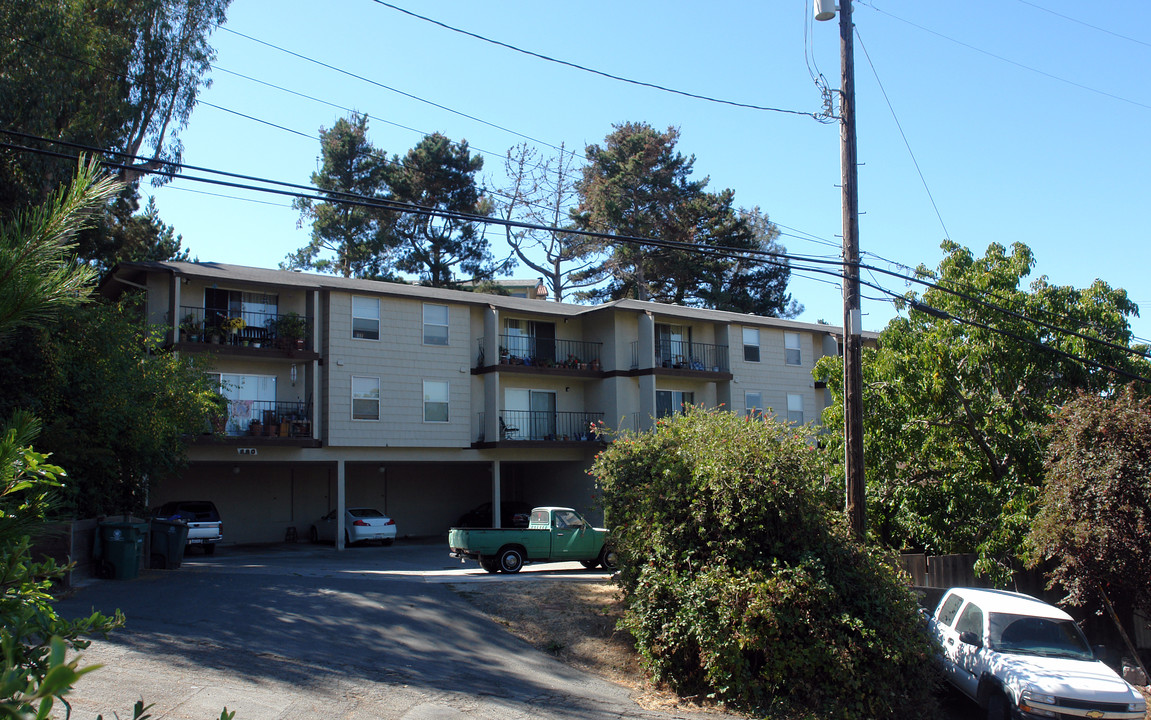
792	354
669	402
435	401
435	324
528	414
365	318
673	345
751	344
950	609
971	620
365	398
249	397
528	340
257	310
753	403
795	409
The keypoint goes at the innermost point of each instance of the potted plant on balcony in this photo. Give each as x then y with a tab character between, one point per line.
190	328
232	326
291	329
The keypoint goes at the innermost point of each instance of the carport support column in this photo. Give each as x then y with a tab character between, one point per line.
340	487
497	521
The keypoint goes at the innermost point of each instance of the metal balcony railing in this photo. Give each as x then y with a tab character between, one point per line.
259	329
544	352
537	425
275	418
686	355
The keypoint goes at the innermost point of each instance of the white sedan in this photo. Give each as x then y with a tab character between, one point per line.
360	524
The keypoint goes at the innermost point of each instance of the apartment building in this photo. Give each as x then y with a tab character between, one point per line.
425	403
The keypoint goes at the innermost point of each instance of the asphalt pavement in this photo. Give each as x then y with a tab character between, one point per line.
302	631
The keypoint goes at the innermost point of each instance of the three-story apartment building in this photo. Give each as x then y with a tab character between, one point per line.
425	402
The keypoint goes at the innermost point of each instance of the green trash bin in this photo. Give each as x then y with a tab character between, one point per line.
169	537
120	548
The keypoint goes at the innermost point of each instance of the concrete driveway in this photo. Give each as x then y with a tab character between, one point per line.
300	631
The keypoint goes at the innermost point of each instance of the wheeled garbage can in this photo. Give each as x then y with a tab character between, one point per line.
169	537
120	548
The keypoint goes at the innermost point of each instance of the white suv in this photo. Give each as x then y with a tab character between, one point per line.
1019	657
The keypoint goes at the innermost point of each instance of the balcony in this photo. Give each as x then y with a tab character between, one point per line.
519	353
542	427
682	357
202	329
264	422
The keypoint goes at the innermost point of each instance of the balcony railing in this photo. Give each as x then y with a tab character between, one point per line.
256	329
545	352
686	355
269	418
539	425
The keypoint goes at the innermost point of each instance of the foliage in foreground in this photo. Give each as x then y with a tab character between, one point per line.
1096	517
34	639
743	585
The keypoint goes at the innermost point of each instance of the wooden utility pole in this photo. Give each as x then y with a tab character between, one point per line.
856	505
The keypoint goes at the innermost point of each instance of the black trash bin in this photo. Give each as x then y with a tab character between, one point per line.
169	537
120	548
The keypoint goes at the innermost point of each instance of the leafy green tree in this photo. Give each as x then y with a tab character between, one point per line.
440	175
956	413
38	279
347	239
95	373
743	584
542	192
637	184
1095	518
120	75
115	74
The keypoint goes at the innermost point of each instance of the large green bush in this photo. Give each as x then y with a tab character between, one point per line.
742	582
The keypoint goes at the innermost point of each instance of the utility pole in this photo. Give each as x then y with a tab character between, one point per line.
855	501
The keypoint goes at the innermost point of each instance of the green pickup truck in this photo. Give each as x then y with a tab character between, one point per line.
554	534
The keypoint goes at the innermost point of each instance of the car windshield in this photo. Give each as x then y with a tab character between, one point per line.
1028	635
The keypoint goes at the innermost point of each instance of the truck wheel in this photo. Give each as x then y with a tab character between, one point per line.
608	558
511	560
590	564
490	565
997	708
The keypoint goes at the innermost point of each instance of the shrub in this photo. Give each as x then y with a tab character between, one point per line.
742	583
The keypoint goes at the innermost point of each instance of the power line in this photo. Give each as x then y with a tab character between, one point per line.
902	134
389	88
583	68
1000	58
1085	24
780	259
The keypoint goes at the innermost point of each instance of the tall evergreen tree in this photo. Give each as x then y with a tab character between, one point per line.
637	184
440	175
347	239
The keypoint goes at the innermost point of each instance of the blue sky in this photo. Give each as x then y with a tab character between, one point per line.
1027	118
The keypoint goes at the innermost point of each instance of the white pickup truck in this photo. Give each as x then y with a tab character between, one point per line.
204	525
1019	657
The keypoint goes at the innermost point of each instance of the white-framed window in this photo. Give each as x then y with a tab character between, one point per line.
670	402
365	318
795	409
792	353
436	401
365	398
751	344
753	403
435	324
